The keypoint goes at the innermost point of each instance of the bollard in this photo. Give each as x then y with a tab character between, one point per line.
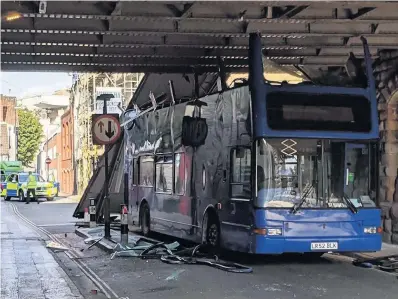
124	229
93	212
86	216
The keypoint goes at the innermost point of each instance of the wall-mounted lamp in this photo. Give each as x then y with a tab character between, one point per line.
11	16
43	7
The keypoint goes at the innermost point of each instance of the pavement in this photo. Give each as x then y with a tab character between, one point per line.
28	269
273	277
386	250
65	199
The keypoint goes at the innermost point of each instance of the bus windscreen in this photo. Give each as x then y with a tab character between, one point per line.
318	112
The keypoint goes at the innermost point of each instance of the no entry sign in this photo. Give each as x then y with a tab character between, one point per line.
105	128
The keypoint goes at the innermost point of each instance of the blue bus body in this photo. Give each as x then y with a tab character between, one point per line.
258	168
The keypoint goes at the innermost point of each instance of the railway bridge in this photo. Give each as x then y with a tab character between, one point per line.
316	40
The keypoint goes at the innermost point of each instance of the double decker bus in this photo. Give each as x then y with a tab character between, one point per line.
262	168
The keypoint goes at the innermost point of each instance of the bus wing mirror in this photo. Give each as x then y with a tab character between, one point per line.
319	149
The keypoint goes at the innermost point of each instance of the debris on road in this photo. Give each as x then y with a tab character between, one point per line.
175	275
173	253
384	263
56	246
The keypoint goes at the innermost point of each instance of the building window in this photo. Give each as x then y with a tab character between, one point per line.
67	131
146	171
240	173
179	174
5	108
164	174
63	136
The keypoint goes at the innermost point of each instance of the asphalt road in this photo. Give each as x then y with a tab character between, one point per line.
273	277
52	216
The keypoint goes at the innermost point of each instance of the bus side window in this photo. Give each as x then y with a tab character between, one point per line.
179	174
164	174
240	173
135	171
146	171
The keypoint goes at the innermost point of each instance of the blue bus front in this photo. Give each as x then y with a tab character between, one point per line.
315	195
315	175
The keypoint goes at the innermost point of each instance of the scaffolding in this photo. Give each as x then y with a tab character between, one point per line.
83	105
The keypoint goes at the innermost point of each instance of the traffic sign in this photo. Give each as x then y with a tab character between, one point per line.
105	128
48	160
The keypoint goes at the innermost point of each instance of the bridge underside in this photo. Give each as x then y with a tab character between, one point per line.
113	36
184	37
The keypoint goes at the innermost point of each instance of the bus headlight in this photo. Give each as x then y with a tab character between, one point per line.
274	232
370	230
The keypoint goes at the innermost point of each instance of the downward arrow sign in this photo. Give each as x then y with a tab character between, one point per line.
109	133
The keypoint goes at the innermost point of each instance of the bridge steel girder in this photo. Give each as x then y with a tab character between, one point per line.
124	36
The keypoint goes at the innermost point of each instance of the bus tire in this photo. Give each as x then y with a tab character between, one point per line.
212	233
145	219
21	196
7	198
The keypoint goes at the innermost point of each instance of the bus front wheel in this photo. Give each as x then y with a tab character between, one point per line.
145	219
212	236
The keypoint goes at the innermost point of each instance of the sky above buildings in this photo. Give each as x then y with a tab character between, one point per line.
21	84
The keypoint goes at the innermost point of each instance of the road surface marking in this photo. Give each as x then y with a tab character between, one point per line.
73	256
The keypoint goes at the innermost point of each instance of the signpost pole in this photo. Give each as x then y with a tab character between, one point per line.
106	131
107	203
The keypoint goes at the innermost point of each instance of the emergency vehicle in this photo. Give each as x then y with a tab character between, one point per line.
15	186
7	168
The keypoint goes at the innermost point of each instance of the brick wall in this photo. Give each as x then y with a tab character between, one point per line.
67	168
8	118
7	111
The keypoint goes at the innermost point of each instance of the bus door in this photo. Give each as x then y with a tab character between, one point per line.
357	173
237	214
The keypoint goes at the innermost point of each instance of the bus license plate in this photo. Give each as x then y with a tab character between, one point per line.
324	246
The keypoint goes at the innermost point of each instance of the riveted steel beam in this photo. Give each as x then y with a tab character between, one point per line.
206	20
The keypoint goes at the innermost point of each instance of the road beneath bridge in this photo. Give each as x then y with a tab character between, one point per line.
273	277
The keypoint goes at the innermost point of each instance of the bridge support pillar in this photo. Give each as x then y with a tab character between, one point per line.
386	75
